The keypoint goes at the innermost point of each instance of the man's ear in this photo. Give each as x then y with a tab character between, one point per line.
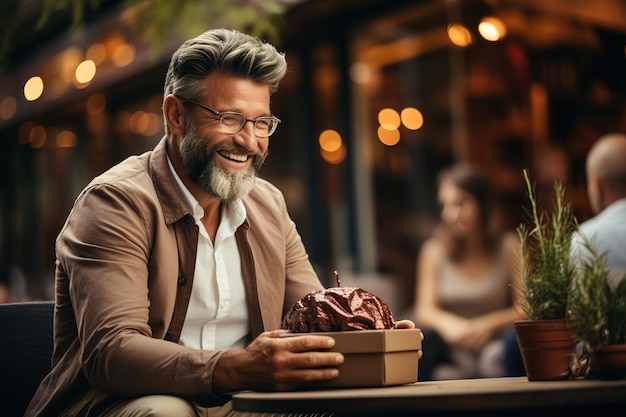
174	112
605	193
601	193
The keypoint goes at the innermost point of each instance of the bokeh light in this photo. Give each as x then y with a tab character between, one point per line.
144	123
123	55
459	35
96	53
69	60
388	137
389	119
330	140
37	136
492	29
412	118
8	107
85	71
334	157
33	89
360	73
66	139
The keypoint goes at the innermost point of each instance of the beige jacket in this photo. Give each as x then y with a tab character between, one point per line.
124	272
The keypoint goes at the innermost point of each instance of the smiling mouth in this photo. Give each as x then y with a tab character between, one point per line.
233	156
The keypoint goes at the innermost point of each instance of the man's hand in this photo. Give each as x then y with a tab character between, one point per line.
408	324
405	324
273	362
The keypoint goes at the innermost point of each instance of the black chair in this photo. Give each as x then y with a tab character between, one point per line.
25	352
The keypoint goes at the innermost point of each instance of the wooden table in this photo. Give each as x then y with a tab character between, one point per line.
470	397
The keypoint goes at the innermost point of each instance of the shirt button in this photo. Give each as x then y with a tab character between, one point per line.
182	280
168	337
188	219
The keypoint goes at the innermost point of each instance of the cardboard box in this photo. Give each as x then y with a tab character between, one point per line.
374	358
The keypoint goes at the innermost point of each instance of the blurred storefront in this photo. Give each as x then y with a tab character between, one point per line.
380	95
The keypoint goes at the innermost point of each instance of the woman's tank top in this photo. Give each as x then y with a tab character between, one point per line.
475	296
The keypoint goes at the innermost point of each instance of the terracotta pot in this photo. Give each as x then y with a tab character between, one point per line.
608	362
548	348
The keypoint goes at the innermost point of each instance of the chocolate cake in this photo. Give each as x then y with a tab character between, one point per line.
338	309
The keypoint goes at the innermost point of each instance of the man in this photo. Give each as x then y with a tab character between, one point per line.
606	189
175	267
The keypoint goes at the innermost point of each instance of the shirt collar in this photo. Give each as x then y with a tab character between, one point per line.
616	206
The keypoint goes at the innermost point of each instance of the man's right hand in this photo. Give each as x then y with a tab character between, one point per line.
273	362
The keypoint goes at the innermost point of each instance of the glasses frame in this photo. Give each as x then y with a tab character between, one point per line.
219	115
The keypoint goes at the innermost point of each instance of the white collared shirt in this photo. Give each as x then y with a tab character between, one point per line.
607	230
217	315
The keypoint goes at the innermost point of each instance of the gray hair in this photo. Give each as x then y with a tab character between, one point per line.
226	51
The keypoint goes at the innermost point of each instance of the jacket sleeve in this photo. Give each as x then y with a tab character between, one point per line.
103	256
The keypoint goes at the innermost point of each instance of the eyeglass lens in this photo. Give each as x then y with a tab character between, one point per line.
234	122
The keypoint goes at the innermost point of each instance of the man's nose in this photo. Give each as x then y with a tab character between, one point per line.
246	136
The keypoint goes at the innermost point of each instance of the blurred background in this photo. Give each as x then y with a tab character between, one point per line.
379	97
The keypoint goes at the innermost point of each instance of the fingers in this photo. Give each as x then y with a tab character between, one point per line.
309	360
295	351
306	352
405	324
275	361
408	324
294	342
299	359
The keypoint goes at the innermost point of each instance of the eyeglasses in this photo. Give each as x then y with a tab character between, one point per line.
233	122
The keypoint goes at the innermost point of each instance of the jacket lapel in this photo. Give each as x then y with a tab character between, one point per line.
249	280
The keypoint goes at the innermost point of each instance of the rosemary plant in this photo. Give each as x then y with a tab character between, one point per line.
547	272
599	309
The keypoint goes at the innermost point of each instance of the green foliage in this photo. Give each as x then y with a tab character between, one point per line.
599	309
160	20
78	9
547	272
9	10
10	16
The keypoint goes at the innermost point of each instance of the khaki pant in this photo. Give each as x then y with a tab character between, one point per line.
170	406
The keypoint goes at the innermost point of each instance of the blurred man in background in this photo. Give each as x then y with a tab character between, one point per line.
606	189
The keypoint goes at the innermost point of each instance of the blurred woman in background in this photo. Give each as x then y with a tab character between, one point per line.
466	279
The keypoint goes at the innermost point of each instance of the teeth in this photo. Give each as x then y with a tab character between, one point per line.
235	157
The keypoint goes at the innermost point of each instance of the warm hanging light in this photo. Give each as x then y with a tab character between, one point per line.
492	28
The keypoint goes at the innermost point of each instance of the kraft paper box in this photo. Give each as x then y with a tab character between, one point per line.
374	358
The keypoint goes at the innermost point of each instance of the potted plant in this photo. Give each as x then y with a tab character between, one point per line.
546	335
599	308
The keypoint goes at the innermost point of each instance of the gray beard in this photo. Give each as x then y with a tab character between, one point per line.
203	170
